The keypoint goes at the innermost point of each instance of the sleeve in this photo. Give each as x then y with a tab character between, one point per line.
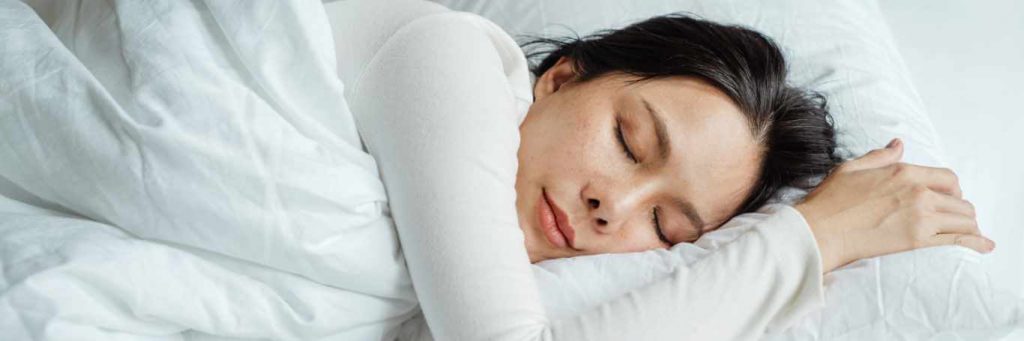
434	108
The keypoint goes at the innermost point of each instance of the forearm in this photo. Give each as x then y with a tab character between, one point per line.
768	276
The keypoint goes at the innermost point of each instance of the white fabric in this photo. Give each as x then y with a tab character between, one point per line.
928	293
971	90
211	186
844	49
455	211
210	174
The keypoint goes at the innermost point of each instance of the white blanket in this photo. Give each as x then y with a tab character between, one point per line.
207	174
204	177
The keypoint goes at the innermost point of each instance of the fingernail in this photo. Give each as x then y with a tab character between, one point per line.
895	142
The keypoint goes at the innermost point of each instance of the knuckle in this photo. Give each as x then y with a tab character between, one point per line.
919	218
951	173
921	194
953	178
901	171
921	206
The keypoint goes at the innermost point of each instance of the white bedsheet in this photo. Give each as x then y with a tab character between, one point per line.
208	172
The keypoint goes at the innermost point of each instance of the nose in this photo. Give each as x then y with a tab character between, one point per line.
594	204
611	205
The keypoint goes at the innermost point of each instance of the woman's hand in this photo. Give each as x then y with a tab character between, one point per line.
876	205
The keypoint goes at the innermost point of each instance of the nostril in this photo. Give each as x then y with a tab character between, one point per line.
594	203
601	222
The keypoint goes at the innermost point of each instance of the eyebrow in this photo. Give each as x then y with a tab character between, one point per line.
664	150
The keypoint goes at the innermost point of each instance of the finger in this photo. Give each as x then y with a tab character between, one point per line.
950	204
955	223
941	180
977	243
877	158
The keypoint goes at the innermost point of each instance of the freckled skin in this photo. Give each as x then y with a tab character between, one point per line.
569	147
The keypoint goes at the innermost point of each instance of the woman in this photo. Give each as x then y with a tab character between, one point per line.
687	138
718	93
638	139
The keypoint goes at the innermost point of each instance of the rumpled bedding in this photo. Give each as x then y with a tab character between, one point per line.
192	170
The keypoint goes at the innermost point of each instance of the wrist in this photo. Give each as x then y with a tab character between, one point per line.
830	246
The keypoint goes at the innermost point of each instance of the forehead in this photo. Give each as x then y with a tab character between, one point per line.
714	160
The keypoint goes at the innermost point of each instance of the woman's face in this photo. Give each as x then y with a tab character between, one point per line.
694	177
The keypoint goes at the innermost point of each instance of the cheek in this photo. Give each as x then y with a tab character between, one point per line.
633	238
573	143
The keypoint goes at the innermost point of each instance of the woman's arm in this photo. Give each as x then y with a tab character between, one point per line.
435	109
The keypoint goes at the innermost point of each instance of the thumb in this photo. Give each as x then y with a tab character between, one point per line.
974	242
892	153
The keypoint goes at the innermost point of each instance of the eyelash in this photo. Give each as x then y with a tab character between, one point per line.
657	226
654	212
622	142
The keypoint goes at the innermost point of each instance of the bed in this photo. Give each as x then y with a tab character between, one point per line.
846	50
177	191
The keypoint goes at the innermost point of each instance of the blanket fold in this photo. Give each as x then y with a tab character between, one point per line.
208	171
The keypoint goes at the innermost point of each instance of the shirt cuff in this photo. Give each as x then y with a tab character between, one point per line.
786	226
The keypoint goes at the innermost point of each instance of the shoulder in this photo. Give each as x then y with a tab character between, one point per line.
464	33
461	46
367	30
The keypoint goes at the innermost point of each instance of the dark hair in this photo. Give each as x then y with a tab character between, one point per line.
791	124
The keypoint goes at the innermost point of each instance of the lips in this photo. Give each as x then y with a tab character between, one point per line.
555	222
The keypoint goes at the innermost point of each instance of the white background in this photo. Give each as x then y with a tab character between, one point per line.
967	61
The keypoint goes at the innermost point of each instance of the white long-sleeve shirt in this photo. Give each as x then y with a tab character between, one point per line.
438	97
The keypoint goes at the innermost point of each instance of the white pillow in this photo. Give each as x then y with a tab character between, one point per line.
843	49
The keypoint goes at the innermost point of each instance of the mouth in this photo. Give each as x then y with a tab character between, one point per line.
554	222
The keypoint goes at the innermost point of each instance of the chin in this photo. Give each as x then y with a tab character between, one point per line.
549	254
540	258
540	251
535	255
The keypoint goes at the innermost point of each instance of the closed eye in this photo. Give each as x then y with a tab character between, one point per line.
622	141
657	227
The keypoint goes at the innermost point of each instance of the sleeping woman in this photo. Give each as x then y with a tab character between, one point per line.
628	140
